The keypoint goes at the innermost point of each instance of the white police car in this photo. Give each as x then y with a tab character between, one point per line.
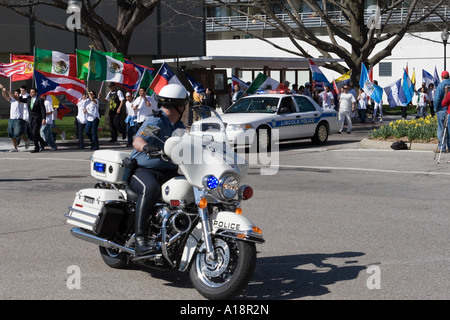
253	118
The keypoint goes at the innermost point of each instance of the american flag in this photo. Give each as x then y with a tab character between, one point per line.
8	69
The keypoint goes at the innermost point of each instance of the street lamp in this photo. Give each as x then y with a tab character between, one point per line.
74	7
444	37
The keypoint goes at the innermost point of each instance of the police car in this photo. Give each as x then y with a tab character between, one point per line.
254	119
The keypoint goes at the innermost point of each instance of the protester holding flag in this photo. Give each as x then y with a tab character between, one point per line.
143	105
16	124
91	110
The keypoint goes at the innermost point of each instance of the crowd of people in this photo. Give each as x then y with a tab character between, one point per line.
32	118
351	104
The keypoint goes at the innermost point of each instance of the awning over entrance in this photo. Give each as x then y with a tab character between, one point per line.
243	63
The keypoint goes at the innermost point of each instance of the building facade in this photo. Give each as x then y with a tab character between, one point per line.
230	34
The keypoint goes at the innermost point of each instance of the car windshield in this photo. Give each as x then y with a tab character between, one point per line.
255	105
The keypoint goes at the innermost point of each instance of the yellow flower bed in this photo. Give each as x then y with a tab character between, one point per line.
418	130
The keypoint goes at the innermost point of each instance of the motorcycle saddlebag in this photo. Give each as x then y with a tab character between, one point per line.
110	219
97	210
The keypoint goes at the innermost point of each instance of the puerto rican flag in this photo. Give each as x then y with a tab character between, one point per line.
8	69
164	77
51	84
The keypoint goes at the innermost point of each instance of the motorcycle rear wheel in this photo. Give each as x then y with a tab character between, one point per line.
229	274
114	258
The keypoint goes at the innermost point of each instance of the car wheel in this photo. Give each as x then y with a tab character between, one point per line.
321	135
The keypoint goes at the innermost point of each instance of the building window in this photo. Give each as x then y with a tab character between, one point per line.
385	69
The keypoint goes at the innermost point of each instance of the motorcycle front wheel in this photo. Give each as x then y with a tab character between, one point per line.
228	274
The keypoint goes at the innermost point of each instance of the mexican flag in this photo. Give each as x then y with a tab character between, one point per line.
105	66
264	82
55	62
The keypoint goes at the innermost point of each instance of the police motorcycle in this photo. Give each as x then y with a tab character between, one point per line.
198	227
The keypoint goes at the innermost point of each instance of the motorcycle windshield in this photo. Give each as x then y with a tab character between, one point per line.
199	156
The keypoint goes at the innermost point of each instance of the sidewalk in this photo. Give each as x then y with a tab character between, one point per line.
5	145
360	132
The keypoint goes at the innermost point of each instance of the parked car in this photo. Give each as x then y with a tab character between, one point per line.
256	116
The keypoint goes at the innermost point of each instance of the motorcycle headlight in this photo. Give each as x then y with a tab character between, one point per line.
229	186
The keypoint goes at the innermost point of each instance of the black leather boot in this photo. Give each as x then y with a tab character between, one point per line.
144	208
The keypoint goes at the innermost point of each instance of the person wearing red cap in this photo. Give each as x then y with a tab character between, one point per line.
441	112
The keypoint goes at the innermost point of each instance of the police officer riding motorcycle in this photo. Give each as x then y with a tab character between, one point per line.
152	172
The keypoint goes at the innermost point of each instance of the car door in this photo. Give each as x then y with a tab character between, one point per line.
308	115
288	119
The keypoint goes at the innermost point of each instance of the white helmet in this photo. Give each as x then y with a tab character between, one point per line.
172	95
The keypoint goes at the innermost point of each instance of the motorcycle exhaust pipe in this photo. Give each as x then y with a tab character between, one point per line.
80	234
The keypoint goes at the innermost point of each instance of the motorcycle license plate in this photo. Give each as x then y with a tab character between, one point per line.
99	167
89	199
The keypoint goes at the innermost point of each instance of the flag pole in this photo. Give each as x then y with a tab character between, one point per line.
139	85
33	79
89	69
10	78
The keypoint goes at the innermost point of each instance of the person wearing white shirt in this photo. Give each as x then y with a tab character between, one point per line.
93	119
46	129
346	107
143	105
131	119
81	120
362	105
327	98
16	123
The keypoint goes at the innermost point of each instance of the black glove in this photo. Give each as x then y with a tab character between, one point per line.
148	149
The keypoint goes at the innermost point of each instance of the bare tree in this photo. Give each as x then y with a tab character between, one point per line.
350	36
104	35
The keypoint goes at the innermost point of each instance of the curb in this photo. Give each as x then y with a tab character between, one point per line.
379	144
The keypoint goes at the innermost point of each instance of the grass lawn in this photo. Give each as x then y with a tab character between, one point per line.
67	124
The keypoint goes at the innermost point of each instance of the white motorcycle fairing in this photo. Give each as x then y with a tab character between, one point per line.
226	224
